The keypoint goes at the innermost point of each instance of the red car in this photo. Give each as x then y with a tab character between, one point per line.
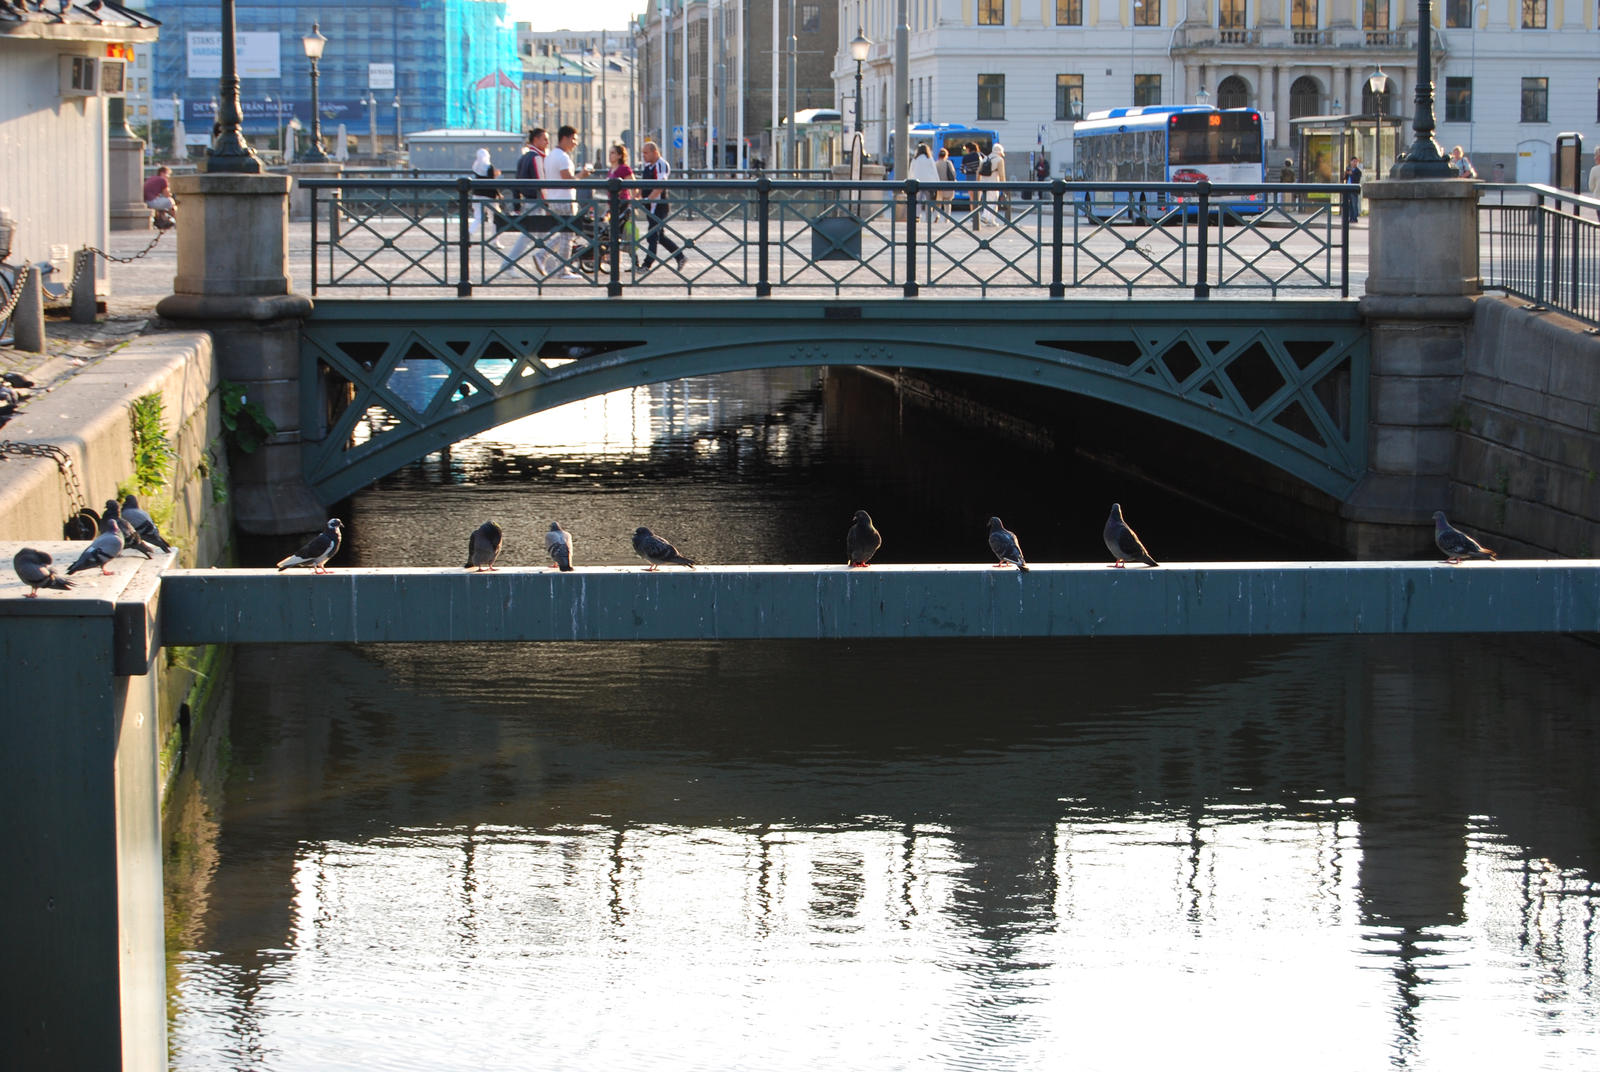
1188	175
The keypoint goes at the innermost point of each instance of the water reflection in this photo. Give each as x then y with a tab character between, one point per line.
891	855
1198	853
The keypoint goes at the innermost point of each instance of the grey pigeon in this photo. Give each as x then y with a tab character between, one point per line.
321	547
862	541
483	547
143	523
1456	544
34	570
131	540
558	545
656	551
106	546
1003	542
1123	543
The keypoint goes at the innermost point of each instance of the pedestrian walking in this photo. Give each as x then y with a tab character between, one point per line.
924	170
947	173
971	160
484	200
1351	205
562	202
651	169
629	228
531	165
1286	175
991	173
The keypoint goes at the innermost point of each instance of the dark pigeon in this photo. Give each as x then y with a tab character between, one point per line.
656	551
558	545
106	546
34	570
131	540
1123	543
17	379
1456	544
862	541
483	547
1003	542
143	523
321	547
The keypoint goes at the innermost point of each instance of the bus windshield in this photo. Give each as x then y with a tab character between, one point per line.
1214	138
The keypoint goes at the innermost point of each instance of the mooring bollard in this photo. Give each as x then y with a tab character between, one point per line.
27	320
83	295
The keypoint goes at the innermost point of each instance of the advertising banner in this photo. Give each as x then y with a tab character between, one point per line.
255	54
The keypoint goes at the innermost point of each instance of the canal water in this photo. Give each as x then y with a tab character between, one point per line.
1318	853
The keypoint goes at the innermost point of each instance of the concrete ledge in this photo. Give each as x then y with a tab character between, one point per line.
737	602
87	416
252	308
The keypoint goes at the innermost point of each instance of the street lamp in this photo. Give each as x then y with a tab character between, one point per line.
1201	97
370	101
1424	160
860	49
314	43
229	152
398	143
1375	85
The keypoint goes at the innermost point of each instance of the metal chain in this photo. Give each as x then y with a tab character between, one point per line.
16	292
78	265
63	462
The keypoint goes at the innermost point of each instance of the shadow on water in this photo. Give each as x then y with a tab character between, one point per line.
1003	854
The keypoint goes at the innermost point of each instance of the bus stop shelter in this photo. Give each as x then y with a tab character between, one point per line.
1324	145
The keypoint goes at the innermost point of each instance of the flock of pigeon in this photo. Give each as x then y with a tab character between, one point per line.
128	527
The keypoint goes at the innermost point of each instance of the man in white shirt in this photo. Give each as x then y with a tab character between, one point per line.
562	199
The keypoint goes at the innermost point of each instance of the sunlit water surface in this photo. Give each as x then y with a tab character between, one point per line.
1203	854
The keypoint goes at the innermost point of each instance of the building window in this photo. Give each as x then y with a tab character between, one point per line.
1147	12
1305	97
1069	96
1534	15
1536	100
1458	100
1146	90
991	96
1233	92
1069	12
1458	14
1374	14
991	12
811	18
1230	15
1304	15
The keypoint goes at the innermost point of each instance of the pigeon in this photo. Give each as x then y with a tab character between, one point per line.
106	546
1123	542
143	523
1456	544
16	379
483	547
558	545
862	541
321	547
656	551
34	570
131	540
1003	542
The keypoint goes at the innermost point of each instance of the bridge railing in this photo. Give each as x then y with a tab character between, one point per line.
767	237
1542	244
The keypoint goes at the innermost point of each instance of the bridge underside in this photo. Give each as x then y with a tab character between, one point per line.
829	602
386	384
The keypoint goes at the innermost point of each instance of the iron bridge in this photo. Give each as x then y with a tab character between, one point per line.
385	383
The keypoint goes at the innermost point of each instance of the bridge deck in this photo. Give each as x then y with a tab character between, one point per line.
738	602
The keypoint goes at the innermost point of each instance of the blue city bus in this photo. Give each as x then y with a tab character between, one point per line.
1169	143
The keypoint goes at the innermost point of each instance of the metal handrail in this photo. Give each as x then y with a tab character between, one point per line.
1043	238
1541	244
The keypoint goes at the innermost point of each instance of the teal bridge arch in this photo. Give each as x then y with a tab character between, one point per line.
387	383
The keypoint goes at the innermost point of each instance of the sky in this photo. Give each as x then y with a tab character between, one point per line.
589	15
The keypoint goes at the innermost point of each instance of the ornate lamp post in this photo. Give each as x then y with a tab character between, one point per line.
1201	97
314	43
1424	160
860	49
229	152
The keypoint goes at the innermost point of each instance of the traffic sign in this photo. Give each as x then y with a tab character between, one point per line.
677	137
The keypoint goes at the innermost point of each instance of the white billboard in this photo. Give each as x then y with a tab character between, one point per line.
380	76
255	55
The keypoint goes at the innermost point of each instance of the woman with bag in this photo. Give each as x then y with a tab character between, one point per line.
618	159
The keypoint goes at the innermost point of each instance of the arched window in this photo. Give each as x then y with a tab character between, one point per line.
1305	97
1233	92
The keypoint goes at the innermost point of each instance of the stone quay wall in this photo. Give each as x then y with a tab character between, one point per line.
1525	474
